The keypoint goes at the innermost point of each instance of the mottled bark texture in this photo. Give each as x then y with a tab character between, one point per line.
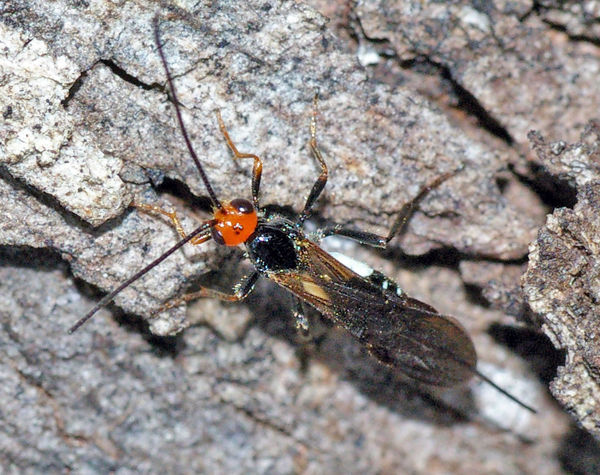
562	283
408	91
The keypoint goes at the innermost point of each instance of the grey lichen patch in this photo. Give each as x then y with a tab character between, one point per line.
562	283
40	143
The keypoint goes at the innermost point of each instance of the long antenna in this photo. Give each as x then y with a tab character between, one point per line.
211	193
108	298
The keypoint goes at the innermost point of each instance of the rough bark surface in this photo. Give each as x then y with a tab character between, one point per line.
408	91
562	283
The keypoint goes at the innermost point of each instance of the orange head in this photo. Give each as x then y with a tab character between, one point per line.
236	221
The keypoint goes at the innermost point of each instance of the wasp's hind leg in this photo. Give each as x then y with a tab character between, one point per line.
408	209
399	226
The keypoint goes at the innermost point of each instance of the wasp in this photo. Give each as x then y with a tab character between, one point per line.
399	331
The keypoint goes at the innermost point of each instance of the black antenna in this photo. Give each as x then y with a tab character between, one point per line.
108	298
211	193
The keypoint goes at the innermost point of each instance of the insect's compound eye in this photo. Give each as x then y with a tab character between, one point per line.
217	235
242	206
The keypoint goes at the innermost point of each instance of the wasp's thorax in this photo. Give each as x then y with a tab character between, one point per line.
273	246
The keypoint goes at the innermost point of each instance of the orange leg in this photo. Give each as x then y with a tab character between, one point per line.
256	169
157	210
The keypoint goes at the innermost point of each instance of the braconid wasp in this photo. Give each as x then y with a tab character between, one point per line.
398	331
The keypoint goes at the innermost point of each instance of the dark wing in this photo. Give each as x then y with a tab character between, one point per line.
398	330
